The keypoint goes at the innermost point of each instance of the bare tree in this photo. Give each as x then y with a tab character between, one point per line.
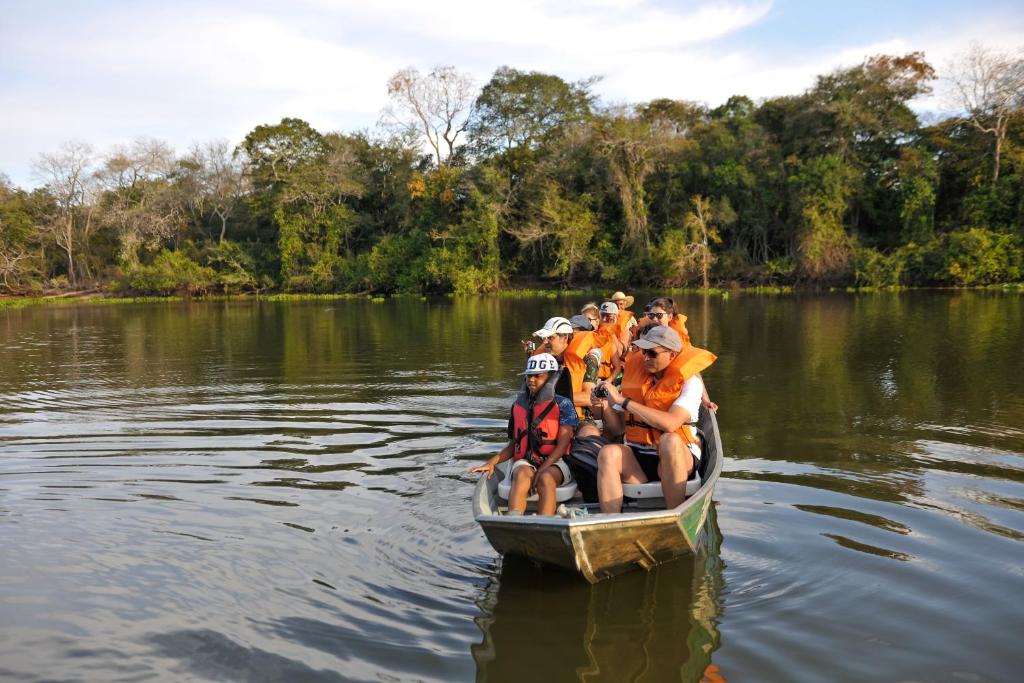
140	200
218	183
990	88
436	107
68	175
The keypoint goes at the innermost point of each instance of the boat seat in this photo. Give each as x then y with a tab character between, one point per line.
652	489
562	493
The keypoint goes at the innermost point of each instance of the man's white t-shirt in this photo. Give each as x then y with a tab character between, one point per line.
690	399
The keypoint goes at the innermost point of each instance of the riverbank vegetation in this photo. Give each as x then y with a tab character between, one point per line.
532	179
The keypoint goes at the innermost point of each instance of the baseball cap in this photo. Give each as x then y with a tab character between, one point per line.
556	325
660	335
581	322
609	307
542	362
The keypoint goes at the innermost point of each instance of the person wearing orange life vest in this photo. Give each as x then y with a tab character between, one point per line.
660	396
627	321
607	336
570	342
540	429
663	311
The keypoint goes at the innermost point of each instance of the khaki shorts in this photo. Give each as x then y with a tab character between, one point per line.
562	467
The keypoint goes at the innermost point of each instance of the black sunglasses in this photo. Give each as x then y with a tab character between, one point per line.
656	316
652	354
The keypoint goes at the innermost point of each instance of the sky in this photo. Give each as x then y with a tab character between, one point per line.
108	71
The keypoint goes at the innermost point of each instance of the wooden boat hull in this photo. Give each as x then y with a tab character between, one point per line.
599	546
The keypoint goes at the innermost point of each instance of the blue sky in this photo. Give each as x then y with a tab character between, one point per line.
107	71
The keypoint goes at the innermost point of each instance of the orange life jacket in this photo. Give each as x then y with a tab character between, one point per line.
679	325
647	390
604	339
573	360
623	320
535	421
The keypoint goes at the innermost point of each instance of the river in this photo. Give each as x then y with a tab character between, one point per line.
276	491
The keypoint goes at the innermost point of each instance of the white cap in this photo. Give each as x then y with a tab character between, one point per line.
542	362
556	325
609	308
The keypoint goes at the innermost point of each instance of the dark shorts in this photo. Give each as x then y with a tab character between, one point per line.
647	457
648	460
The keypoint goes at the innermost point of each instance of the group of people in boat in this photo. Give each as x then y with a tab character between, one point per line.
608	398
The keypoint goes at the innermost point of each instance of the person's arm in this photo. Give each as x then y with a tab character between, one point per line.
582	398
662	420
488	467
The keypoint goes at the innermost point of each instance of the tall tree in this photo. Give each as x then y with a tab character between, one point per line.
68	174
216	182
435	107
990	89
139	200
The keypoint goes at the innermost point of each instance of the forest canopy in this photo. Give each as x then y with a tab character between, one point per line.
532	179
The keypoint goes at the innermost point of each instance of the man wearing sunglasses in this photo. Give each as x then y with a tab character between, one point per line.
655	407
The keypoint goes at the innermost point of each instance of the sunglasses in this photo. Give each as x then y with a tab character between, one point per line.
656	316
652	353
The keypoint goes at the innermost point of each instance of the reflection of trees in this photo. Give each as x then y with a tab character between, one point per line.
544	625
852	386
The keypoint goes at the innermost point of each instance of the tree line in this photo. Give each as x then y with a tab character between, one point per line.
532	179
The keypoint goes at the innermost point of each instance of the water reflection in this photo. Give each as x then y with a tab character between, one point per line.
280	485
546	625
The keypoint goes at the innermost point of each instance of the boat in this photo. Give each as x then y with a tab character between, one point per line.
600	545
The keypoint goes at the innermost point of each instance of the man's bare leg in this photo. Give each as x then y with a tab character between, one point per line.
616	464
675	466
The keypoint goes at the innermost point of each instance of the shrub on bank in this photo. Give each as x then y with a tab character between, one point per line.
172	272
963	258
982	257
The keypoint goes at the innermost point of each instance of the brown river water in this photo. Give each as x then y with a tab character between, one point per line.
277	491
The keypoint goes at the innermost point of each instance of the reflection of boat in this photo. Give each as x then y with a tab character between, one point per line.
601	545
539	624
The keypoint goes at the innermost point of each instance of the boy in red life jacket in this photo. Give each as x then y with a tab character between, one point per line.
540	430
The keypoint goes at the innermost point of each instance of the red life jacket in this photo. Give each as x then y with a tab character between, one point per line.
535	421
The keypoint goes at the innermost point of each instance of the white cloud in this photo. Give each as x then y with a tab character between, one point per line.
217	70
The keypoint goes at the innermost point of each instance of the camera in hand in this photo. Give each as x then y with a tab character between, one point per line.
601	391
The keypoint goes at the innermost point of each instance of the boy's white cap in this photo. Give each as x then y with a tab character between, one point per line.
609	307
556	325
542	362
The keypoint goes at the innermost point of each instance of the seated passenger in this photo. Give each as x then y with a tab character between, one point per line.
540	430
612	349
663	311
570	342
627	322
660	397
